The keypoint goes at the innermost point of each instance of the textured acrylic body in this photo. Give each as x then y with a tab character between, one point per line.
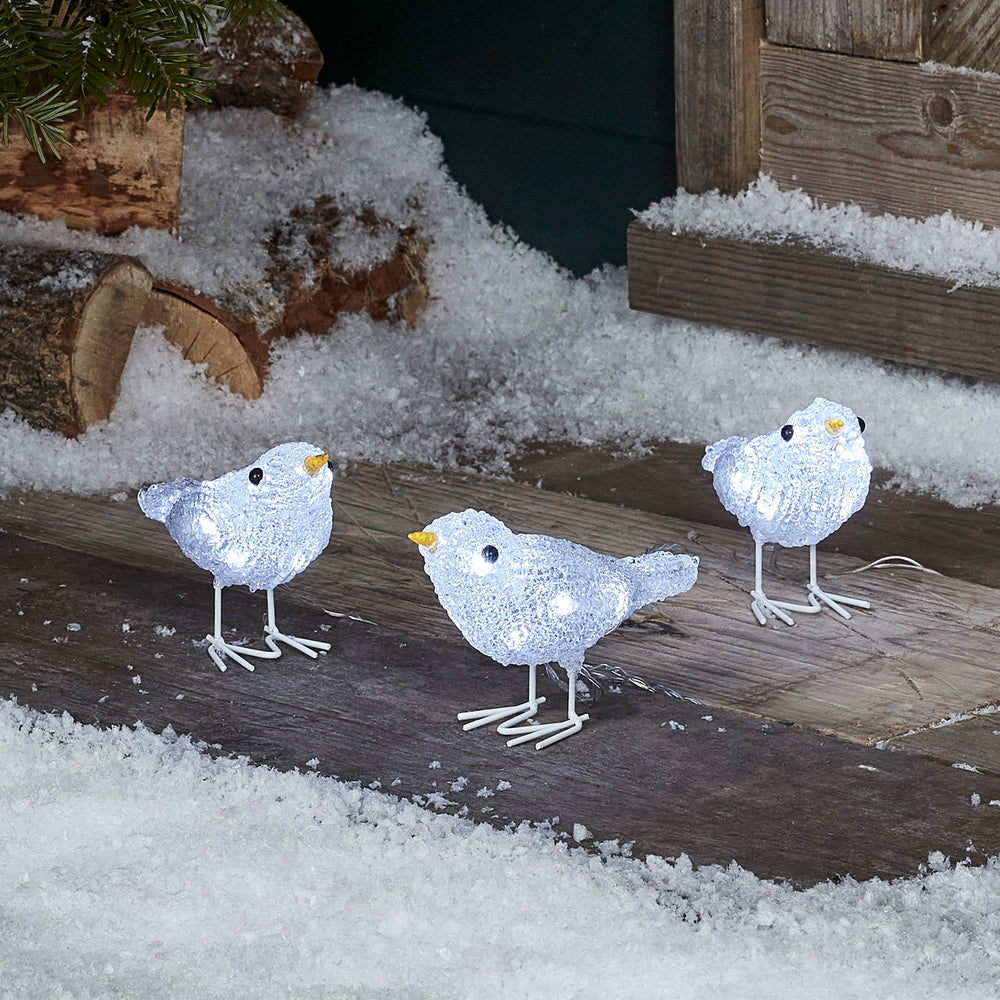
258	531
798	490
532	599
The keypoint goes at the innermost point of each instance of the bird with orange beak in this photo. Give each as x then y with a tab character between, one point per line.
794	486
535	599
257	527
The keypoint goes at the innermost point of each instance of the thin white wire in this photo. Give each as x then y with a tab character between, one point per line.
895	562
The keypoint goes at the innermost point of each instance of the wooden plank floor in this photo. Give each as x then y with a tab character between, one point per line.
775	768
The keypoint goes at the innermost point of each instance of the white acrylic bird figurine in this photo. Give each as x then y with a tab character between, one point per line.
258	526
795	486
534	599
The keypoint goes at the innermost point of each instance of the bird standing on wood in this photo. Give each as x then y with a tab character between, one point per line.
258	526
795	486
534	599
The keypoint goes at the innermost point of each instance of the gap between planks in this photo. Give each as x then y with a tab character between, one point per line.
927	649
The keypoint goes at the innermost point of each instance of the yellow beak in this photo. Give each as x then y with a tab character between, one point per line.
834	426
427	539
315	462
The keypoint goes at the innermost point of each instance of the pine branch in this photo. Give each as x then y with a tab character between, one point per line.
38	117
54	60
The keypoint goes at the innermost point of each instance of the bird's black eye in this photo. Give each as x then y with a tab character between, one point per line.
861	425
787	431
256	475
490	553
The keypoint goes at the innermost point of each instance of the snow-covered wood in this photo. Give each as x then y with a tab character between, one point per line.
260	64
314	287
66	325
67	319
798	292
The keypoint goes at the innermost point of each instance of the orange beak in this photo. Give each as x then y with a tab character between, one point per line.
315	462
426	539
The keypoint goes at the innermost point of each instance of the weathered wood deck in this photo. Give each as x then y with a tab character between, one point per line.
776	768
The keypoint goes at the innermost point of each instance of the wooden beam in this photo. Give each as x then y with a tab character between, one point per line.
878	29
793	291
927	649
717	92
886	136
965	33
667	776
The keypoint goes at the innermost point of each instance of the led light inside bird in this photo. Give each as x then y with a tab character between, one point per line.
534	599
794	486
258	527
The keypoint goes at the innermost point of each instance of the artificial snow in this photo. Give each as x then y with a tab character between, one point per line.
136	865
511	349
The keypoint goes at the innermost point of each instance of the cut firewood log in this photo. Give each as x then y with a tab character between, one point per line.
231	349
258	63
316	283
67	319
66	325
122	170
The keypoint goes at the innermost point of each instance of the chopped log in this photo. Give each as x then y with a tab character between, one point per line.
122	170
315	286
231	349
258	63
67	319
66	325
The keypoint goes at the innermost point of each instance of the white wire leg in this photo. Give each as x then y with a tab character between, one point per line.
218	648
834	601
273	635
763	607
514	714
552	732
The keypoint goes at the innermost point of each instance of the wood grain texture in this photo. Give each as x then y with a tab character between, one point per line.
792	291
965	744
927	649
112	644
717	92
878	29
886	136
962	543
121	171
231	350
965	33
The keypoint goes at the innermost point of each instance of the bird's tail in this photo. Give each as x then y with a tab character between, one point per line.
713	451
664	574
157	500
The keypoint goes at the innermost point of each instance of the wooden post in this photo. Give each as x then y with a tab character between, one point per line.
717	82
